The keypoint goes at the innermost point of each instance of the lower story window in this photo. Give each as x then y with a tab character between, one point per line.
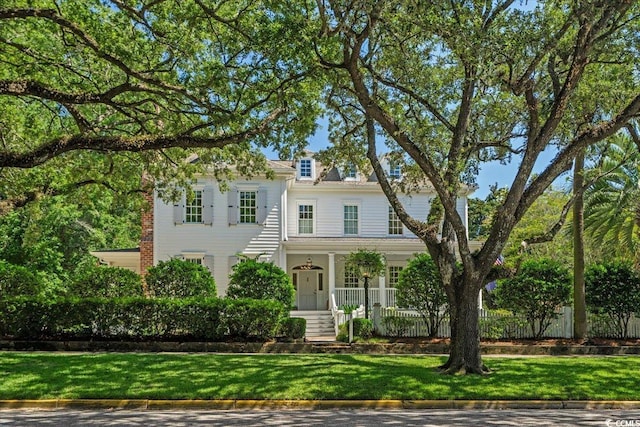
351	279
194	260
394	275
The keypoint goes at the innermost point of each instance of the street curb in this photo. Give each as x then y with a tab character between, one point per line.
230	404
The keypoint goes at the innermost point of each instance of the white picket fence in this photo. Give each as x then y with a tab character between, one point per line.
494	325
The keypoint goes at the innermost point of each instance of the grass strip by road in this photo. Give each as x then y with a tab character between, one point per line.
215	376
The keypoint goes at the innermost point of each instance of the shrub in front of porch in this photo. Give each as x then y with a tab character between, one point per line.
420	288
260	280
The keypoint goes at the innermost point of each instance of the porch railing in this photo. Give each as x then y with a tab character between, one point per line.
355	296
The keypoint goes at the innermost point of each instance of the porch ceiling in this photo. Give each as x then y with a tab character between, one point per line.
350	244
305	245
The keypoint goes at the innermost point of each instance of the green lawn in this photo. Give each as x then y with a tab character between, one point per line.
215	376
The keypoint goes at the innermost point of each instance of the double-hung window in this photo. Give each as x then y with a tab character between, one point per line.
394	275
247	205
305	218
395	225
350	216
193	208
350	278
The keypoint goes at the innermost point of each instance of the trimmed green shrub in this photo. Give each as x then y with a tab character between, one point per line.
106	282
613	289
537	292
293	328
206	319
16	280
180	279
420	288
251	319
261	280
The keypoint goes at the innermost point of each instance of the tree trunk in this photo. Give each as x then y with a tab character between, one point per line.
464	354
579	301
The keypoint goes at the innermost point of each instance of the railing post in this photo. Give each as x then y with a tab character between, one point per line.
382	291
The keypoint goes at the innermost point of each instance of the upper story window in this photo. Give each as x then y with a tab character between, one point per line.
193	208
305	168
394	170
395	225
247	206
394	275
350	215
305	218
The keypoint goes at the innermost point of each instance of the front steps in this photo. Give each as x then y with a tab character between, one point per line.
319	323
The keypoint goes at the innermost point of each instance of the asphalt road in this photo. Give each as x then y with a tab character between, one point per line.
400	418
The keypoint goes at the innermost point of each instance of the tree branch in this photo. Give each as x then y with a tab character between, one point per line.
65	144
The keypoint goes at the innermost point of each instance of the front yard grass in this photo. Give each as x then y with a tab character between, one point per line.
26	375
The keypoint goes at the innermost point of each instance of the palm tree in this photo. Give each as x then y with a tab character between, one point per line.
612	204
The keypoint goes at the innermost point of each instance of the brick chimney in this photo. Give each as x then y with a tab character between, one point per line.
146	235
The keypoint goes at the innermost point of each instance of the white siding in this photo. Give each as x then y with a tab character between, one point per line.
220	240
373	210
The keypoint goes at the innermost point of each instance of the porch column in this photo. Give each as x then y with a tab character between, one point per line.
383	291
332	274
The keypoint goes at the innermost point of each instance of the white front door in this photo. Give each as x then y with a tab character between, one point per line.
307	290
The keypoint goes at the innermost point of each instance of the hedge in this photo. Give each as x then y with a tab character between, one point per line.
203	319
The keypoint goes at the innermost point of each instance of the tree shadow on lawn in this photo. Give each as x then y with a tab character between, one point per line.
292	377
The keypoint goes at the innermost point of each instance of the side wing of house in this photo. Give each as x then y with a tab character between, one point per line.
211	227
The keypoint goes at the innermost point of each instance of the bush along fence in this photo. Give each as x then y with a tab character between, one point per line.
203	319
500	324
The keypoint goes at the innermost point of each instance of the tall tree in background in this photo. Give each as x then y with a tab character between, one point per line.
612	204
451	85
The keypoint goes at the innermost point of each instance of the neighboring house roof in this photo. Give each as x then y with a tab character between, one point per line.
126	258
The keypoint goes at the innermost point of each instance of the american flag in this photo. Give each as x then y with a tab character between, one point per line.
499	261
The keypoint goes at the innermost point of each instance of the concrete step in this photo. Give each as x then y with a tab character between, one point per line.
319	323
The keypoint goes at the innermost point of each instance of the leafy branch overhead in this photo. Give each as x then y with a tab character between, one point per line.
107	77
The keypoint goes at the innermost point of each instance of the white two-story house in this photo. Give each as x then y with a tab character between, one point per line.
304	225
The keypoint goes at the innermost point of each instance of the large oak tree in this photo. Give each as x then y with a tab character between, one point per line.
449	85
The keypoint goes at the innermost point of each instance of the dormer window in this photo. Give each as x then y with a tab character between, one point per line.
352	172
305	169
394	170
